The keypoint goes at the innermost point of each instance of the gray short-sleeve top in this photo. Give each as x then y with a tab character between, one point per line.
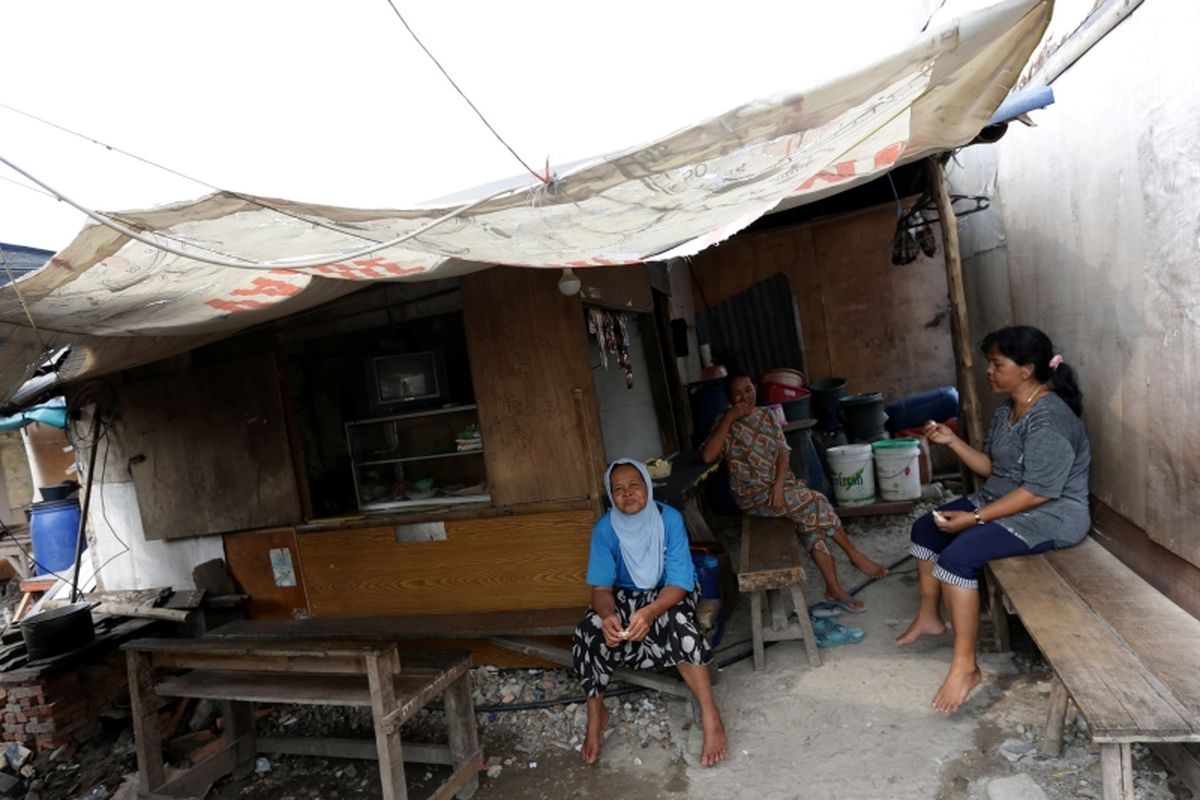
1047	453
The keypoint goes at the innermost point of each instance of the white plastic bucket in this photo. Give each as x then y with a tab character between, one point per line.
898	469
853	478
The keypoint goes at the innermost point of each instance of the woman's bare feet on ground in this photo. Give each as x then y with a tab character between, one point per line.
921	627
868	567
713	750
955	689
595	732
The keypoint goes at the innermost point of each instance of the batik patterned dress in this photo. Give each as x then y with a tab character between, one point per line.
751	450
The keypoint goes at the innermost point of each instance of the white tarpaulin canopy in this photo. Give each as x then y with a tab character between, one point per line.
242	260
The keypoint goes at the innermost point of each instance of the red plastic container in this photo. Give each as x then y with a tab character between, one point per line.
779	393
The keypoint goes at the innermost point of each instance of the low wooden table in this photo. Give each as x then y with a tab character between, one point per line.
770	565
343	673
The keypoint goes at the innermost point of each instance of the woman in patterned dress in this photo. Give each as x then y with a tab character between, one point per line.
761	479
643	612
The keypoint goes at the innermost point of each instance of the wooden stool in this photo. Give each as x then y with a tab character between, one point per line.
771	566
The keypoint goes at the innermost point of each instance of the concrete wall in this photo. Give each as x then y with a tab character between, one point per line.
1095	239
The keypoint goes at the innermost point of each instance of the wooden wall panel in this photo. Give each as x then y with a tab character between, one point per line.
528	352
249	558
881	327
216	456
626	288
503	563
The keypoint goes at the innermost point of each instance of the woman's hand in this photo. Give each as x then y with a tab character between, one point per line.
938	433
777	502
955	521
738	410
639	625
612	630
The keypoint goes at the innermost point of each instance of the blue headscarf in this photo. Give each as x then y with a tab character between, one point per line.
640	535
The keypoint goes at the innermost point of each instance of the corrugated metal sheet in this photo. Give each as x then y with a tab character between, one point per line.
755	330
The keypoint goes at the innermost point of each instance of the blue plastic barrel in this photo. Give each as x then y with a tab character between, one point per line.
708	403
708	574
53	529
938	404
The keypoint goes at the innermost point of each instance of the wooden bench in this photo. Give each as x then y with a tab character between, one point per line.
1125	655
343	673
771	567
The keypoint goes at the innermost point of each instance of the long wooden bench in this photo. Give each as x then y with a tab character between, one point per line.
343	673
1125	655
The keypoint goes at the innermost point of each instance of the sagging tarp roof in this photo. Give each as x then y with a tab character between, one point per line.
119	302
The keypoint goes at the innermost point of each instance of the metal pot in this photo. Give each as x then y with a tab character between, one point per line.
50	633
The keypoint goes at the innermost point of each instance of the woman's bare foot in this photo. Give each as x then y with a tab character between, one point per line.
868	567
955	689
597	718
921	627
713	750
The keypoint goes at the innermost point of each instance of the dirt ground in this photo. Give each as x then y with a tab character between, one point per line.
859	726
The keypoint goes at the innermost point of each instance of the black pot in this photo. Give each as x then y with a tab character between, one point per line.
798	409
863	414
50	633
825	394
58	491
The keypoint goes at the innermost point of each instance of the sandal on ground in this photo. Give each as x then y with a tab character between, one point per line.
843	605
839	635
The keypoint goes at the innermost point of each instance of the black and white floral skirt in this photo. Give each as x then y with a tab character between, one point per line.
674	638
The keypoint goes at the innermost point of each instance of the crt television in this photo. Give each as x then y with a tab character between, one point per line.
407	378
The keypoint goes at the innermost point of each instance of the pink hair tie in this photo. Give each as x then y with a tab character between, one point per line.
1054	362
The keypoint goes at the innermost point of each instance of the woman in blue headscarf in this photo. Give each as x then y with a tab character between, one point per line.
643	612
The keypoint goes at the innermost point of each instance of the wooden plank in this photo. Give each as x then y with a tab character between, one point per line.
342	690
383	698
210	432
539	622
1117	694
1164	636
211	646
638	677
463	782
771	556
1172	575
528	352
144	703
249	557
512	563
1116	771
364	749
463	732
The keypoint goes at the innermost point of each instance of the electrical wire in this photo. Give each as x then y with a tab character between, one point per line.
30	188
113	148
543	178
312	261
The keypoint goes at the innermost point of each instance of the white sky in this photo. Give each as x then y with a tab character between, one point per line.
332	102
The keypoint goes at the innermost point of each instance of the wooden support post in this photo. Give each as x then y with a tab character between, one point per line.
239	732
464	737
147	736
1116	771
810	639
1056	718
777	602
387	734
756	627
1000	631
960	326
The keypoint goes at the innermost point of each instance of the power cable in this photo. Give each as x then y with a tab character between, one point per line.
543	178
28	187
113	148
310	262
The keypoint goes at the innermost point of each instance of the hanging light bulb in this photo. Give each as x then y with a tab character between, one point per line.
569	283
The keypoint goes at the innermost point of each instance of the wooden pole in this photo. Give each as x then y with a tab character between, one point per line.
960	325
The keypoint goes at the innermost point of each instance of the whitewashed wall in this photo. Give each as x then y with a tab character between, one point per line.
1100	246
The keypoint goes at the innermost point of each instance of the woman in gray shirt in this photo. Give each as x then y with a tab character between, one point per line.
1036	461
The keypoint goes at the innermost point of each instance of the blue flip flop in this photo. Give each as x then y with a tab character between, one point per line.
839	635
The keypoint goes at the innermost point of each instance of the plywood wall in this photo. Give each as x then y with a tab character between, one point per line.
208	450
881	327
1099	206
504	563
533	384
